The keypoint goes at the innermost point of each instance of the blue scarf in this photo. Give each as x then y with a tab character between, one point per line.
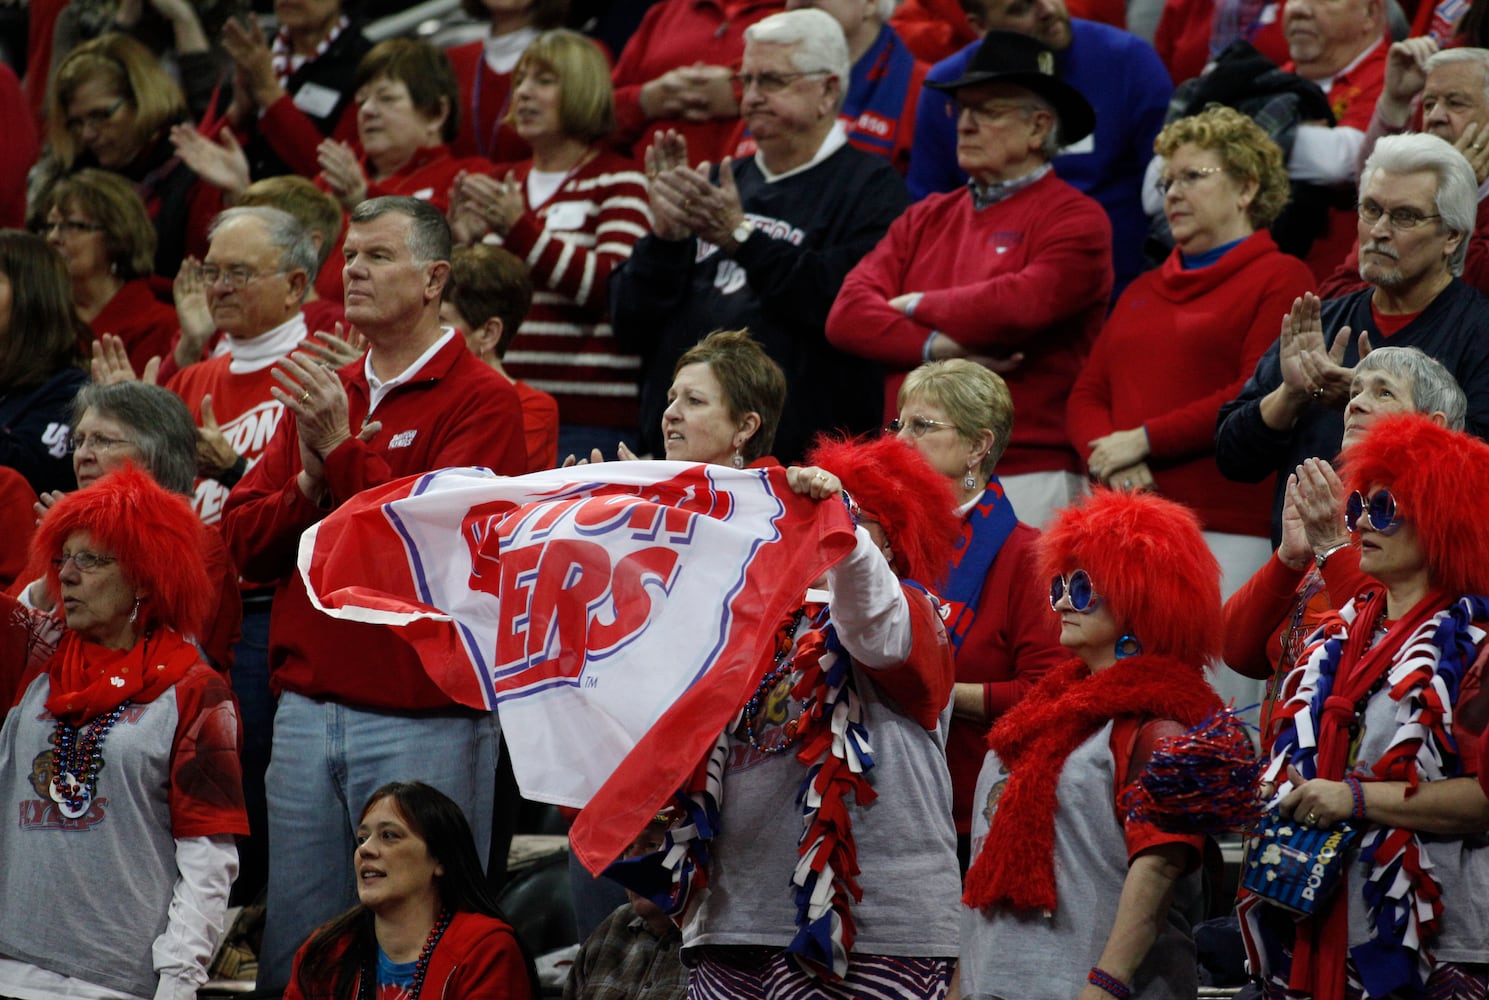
986	528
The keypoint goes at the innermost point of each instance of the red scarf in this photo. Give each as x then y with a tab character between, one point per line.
88	680
1017	864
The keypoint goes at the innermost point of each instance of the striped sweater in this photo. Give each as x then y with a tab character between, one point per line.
571	242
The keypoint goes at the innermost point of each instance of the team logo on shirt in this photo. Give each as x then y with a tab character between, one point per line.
402	439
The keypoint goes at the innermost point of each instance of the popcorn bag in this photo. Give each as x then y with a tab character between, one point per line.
1295	866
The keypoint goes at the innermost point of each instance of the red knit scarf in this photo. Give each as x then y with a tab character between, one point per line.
1017	865
88	680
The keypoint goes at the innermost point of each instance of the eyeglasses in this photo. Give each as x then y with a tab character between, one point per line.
67	227
1379	512
98	119
236	276
86	562
1184	179
986	114
98	442
1400	218
772	83
919	426
1077	587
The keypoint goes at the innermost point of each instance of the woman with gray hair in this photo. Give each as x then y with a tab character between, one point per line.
1267	620
132	423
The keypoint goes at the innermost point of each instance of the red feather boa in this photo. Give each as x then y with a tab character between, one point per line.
1017	864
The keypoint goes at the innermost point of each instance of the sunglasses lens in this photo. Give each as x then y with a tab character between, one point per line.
1080	590
1057	590
1353	508
1383	512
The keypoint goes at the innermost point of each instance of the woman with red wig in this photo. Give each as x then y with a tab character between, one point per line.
824	831
119	761
1067	895
1369	736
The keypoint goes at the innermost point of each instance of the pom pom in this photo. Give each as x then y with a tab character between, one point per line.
1202	781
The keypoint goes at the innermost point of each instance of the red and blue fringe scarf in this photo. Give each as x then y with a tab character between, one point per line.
1423	663
835	747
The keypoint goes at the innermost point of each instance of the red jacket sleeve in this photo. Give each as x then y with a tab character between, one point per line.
1035	640
206	792
1252	614
922	684
265	513
628	78
1190	429
1088	413
294	137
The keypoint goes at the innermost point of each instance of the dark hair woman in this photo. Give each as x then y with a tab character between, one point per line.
40	361
425	916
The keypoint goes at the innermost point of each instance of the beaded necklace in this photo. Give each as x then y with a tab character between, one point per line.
76	762
785	642
367	987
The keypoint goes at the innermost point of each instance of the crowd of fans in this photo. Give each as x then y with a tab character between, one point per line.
1195	328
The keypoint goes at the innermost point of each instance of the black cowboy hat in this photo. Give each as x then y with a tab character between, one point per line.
1008	57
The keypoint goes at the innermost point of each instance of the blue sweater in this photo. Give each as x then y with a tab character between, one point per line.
1125	82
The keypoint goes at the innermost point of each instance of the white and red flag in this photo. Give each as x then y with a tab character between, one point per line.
616	616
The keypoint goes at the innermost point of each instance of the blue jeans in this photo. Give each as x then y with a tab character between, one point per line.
328	760
256	708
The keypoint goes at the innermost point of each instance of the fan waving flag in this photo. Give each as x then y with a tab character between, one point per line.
615	616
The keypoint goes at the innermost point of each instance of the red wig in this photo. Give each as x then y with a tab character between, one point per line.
153	534
1149	562
894	485
1438	477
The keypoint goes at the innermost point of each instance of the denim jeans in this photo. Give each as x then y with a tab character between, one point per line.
328	759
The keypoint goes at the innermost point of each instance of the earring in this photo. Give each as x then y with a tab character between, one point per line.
738	460
1127	646
969	481
134	612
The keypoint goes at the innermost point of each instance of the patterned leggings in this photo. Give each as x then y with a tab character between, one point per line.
755	974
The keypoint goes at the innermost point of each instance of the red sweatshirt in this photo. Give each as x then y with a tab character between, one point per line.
1179	344
1030	274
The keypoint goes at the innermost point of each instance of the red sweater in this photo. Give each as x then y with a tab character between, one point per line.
485	99
539	427
565	346
427	176
147	325
1182	39
681	33
456	411
1030	274
1256	617
478	958
1013	641
1178	345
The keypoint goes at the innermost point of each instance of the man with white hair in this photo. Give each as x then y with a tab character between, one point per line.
1445	93
1016	270
879	109
765	246
1418	200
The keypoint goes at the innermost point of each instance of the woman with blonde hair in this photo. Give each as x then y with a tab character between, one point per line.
112	106
959	415
572	212
1183	339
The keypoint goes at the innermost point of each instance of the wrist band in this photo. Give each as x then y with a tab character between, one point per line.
1108	982
1358	794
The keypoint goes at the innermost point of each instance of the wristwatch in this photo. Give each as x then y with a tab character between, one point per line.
1322	557
742	231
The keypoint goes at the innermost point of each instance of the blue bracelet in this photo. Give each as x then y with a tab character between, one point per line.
1110	983
1358	794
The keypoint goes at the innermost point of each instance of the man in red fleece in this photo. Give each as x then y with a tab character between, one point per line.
356	710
